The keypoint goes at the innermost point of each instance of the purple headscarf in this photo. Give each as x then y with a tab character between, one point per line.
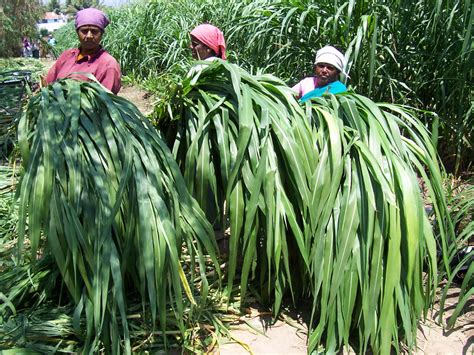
91	16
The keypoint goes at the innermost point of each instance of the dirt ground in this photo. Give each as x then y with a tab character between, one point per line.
288	336
140	98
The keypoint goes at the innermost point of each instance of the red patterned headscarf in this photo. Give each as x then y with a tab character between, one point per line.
212	37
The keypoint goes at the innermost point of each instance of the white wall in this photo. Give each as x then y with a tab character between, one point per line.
50	26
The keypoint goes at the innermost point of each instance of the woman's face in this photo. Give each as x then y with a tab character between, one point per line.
326	73
199	50
89	37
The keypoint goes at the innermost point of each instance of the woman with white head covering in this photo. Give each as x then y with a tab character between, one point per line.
329	64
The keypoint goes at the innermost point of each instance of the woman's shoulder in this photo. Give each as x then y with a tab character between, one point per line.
109	58
71	51
307	80
305	85
68	54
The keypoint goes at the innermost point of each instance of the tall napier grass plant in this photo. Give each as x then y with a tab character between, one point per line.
409	52
379	222
461	254
406	52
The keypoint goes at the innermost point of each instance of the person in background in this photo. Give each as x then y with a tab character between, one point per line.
329	64
207	43
90	57
26	47
51	41
35	49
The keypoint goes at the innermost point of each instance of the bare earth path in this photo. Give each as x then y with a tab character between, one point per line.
289	337
140	98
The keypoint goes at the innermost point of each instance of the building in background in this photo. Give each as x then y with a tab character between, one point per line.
116	3
51	21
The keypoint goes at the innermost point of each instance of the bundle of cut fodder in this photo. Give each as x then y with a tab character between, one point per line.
323	202
103	195
382	255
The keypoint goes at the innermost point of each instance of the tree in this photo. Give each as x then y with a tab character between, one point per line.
54	5
83	4
17	19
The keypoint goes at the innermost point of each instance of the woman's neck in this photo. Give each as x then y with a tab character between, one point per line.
85	52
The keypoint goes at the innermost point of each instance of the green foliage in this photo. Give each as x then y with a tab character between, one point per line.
152	37
462	210
18	18
66	37
29	64
28	332
8	217
54	5
83	4
18	75
407	52
322	202
44	32
386	147
102	195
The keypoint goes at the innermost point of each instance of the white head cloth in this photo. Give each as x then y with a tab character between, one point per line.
331	55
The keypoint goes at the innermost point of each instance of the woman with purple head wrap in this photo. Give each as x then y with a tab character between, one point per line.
92	17
90	57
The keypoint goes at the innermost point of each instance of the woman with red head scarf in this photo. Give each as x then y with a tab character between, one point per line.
90	57
207	43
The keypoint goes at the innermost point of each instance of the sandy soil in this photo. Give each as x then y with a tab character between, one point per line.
142	99
288	336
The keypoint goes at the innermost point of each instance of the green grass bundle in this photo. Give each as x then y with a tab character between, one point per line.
243	156
102	194
8	215
378	270
323	201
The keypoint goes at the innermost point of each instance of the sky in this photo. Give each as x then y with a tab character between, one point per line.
105	2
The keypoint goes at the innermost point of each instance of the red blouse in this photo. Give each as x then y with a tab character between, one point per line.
102	65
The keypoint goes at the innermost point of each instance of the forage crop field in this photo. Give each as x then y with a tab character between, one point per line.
417	53
113	222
